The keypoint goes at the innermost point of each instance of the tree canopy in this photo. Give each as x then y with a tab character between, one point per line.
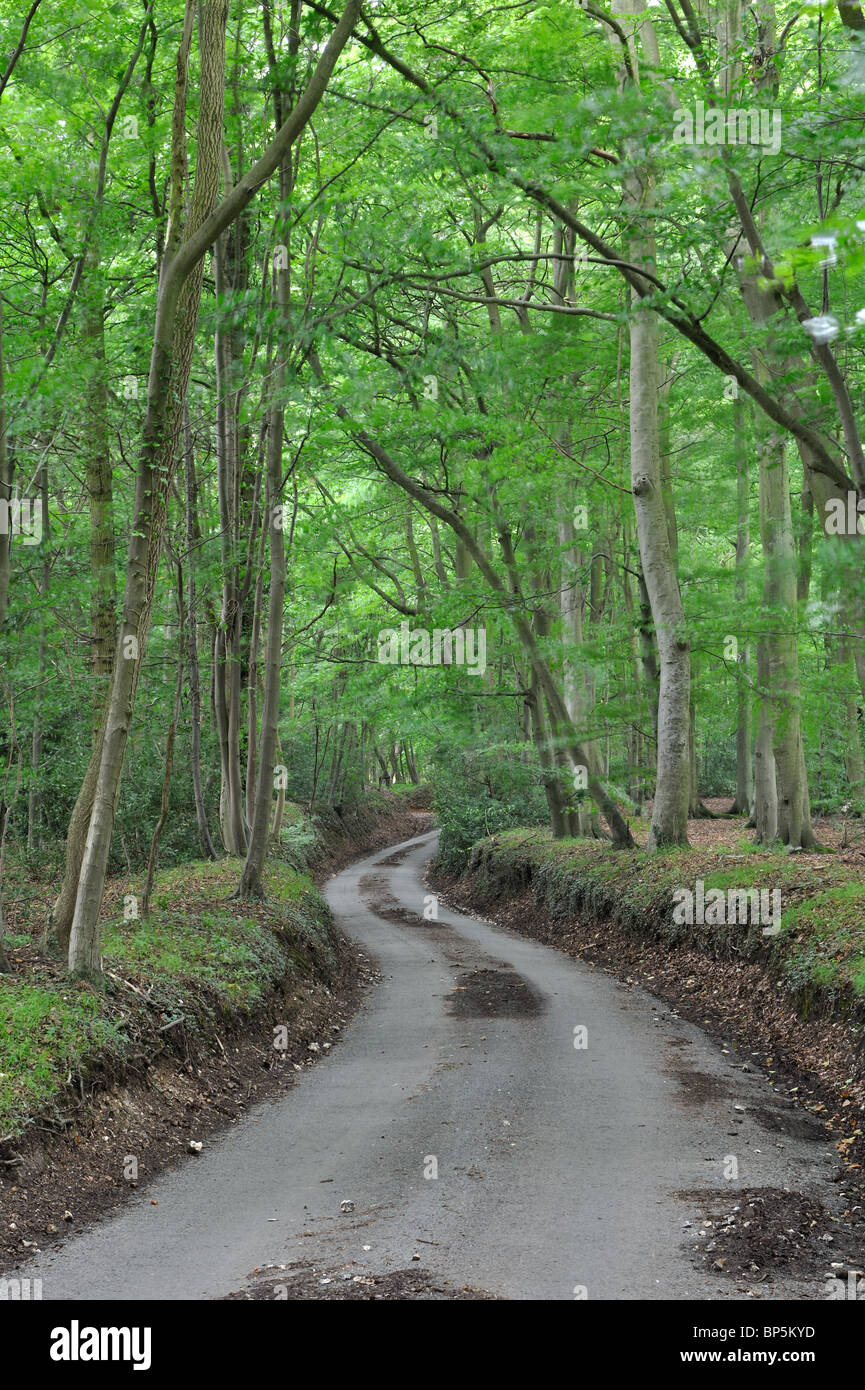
407	391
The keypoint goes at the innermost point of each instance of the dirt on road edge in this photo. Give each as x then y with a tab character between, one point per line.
815	1064
125	1129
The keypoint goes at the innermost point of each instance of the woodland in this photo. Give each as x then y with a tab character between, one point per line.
396	393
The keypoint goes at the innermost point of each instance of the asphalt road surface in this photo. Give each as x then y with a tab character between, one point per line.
460	1119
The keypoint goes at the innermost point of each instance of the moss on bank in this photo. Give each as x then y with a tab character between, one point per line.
817	955
201	960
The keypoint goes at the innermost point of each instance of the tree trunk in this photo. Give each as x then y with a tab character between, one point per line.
765	813
153	857
744	775
177	305
228	275
781	644
549	770
655	536
252	685
34	799
207	845
5	483
670	810
98	476
279	804
252	879
672	788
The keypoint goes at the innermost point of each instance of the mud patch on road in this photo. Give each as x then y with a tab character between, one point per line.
485	987
790	1120
698	1087
763	1231
487	993
305	1282
397	857
375	895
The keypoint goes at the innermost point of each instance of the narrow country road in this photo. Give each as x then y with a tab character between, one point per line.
458	1116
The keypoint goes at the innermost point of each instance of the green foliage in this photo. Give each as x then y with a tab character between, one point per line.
200	957
817	959
398	226
46	1035
478	793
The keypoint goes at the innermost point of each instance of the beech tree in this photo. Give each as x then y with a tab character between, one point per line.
538	324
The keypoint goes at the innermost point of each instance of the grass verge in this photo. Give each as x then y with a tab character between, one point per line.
817	957
201	961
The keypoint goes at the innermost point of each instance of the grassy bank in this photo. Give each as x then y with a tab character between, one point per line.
200	964
817	957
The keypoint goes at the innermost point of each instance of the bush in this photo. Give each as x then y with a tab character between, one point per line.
476	793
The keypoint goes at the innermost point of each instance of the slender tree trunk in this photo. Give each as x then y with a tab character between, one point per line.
153	856
576	691
765	813
252	879
98	474
549	770
176	318
6	801
103	600
670	810
693	788
177	306
5	810
279	804
207	845
744	775
438	565
780	600
34	799
229	276
5	483
252	688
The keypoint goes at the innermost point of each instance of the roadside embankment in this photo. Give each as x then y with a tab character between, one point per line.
786	984
206	1007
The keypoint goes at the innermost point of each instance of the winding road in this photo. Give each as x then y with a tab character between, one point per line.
466	1122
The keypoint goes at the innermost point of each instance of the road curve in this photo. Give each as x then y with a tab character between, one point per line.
459	1117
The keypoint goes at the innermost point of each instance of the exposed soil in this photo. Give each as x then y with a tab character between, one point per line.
815	1066
116	1133
493	994
789	1119
697	1087
296	1282
375	894
66	1179
769	1231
